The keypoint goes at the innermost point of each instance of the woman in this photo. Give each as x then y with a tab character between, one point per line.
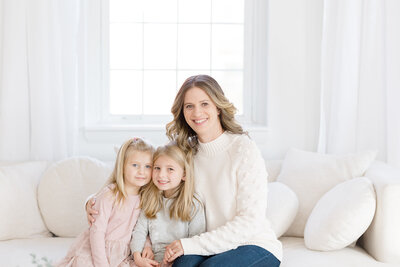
230	178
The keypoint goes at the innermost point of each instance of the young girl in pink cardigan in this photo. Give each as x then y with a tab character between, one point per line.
106	242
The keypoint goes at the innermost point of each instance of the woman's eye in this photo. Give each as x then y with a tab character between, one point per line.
204	104
134	165
189	106
157	168
148	166
170	169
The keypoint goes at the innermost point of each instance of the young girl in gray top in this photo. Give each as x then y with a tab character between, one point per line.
170	211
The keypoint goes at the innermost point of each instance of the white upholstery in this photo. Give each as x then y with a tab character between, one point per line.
310	175
17	252
382	239
83	176
282	207
63	190
297	255
341	216
18	201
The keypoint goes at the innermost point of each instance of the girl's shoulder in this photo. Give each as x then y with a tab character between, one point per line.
107	192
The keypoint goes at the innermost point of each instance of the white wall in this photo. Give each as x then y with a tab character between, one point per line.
293	86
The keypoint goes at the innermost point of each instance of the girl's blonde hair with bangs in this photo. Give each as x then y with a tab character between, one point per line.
117	176
182	206
180	131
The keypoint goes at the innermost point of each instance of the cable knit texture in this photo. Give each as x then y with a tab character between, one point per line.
232	181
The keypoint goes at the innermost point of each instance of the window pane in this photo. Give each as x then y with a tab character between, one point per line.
160	11
194	46
160	46
159	92
125	92
126	46
227	46
233	14
231	83
195	11
126	10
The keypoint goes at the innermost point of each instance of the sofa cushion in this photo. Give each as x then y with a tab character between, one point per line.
310	175
341	216
19	211
63	190
18	252
282	207
295	254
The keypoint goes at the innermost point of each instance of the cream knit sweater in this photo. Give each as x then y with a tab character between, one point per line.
231	180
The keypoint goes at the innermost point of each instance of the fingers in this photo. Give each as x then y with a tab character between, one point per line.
90	211
152	262
174	256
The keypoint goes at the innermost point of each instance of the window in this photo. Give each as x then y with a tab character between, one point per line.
142	51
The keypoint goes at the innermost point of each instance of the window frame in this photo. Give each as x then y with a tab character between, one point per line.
96	43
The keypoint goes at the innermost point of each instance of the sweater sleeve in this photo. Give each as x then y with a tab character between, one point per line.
251	204
104	204
198	223
140	233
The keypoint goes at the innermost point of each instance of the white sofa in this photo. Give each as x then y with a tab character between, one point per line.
40	199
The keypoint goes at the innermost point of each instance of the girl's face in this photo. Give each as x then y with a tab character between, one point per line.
137	171
167	174
202	115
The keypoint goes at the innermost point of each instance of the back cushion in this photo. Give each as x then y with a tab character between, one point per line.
63	190
19	211
273	169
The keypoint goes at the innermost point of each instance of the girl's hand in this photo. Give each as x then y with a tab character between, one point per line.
90	212
173	251
143	262
148	253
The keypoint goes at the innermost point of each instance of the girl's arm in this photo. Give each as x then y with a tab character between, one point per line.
251	204
140	233
104	204
139	240
198	223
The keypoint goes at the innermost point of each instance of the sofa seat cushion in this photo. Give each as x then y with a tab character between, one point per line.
295	254
17	252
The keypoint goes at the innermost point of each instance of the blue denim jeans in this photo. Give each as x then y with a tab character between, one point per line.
243	256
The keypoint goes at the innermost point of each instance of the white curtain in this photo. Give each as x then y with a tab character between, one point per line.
39	79
360	72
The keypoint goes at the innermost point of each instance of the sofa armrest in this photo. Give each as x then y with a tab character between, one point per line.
382	239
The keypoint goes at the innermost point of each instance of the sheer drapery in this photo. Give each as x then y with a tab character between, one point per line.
38	81
360	74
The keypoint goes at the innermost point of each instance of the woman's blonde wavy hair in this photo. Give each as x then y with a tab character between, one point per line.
178	129
182	206
117	176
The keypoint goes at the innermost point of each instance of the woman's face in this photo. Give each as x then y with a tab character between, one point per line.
202	115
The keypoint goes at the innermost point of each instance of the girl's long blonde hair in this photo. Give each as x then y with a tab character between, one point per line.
182	206
180	131
117	176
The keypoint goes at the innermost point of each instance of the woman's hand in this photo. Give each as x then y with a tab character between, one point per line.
173	251
148	253
143	262
90	212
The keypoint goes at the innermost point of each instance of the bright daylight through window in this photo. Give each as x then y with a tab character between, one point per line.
155	44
